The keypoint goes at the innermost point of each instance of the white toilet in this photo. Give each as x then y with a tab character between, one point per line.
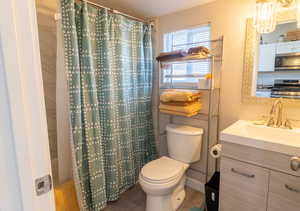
163	179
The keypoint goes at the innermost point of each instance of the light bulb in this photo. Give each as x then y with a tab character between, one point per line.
265	20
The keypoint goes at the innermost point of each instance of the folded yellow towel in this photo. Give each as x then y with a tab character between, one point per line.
178	113
173	95
65	197
178	103
188	109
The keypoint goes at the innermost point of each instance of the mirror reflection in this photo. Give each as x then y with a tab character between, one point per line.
278	63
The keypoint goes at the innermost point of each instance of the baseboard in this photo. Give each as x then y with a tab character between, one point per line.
195	184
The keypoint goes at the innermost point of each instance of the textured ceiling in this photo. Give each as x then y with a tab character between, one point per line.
151	8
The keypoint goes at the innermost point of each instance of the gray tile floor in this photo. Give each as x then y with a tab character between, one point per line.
135	200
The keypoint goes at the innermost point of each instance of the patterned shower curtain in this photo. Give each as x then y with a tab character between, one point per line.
109	66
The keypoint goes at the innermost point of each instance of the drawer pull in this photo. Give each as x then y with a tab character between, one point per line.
295	163
242	173
292	189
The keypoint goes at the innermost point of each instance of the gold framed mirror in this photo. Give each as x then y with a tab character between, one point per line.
266	75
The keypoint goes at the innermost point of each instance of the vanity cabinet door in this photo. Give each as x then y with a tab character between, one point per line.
284	192
243	187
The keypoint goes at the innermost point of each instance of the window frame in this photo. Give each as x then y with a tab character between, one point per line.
168	46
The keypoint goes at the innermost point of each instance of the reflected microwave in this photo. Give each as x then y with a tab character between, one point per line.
290	61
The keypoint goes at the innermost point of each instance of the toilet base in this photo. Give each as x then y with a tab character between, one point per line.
179	194
178	199
159	203
167	202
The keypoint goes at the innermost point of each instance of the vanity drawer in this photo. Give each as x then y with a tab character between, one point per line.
268	159
242	185
278	203
284	192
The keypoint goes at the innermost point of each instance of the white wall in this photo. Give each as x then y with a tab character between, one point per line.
280	30
10	196
25	104
228	18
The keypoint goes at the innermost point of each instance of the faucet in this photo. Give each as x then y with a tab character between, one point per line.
275	116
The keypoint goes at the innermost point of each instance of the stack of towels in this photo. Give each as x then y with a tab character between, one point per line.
180	102
171	55
192	53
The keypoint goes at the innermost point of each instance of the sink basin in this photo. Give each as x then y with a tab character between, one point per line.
259	136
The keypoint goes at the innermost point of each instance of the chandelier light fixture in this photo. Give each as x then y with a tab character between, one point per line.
298	13
265	21
266	12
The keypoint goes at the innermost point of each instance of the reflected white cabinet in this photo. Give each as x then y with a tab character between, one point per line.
267	53
288	47
254	179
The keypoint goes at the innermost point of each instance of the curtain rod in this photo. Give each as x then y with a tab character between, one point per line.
117	12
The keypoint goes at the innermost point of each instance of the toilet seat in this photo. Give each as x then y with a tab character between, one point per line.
162	170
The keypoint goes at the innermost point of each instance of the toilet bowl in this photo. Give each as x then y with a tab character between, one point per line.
163	179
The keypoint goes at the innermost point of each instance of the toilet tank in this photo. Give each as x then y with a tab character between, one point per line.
184	142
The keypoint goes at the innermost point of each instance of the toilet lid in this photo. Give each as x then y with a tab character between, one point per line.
162	170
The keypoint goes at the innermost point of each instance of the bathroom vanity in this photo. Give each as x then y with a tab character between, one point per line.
260	165
259	168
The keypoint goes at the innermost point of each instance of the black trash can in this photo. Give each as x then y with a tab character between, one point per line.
212	192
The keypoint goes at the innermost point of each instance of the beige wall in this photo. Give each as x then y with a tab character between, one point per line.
47	41
55	88
228	18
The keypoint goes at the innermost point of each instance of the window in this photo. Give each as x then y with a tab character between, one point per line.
186	74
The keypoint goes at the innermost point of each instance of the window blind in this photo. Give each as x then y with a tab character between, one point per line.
186	73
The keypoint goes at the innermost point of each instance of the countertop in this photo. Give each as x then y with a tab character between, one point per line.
262	137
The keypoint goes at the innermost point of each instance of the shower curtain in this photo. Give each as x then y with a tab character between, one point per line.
109	66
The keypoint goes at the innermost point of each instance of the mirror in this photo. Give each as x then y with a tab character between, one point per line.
278	63
272	63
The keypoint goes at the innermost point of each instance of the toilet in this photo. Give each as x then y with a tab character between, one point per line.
163	179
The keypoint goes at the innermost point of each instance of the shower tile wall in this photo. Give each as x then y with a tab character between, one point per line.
47	40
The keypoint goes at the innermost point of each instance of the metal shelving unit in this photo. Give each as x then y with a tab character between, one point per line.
210	112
